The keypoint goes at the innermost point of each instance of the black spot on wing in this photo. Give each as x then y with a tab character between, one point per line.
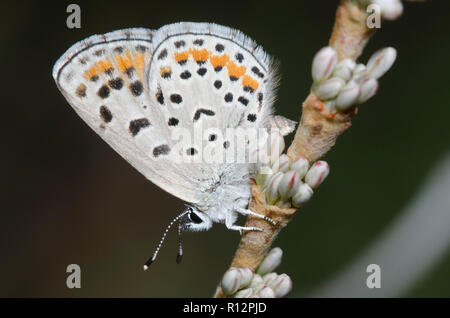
200	111
162	55
176	98
173	121
103	92
161	150
136	88
243	100
220	47
257	72
179	44
201	71
185	75
81	91
198	42
218	84
138	124
105	114
116	83
159	96
251	117
228	97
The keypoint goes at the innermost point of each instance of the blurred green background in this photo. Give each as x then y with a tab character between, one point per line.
69	198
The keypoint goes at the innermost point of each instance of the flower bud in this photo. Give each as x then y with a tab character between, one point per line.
344	69
290	181
330	105
235	279
231	281
269	277
246	276
359	73
271	261
329	88
245	293
380	62
256	281
317	174
390	9
323	64
282	285
300	165
348	96
369	87
272	189
266	292
281	164
303	195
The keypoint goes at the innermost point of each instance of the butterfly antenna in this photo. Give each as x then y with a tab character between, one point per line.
152	259
180	244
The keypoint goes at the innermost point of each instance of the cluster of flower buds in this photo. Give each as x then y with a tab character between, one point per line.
389	9
285	183
243	282
292	183
344	84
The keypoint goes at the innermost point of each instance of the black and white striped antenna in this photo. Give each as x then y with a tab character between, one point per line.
180	249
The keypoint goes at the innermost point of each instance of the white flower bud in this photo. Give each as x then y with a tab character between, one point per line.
330	105
276	145
245	293
359	72
266	292
348	96
288	184
369	87
303	195
256	281
282	285
281	164
344	69
317	174
271	261
300	165
323	64
272	189
390	9
235	279
231	281
380	62
329	88
246	276
269	277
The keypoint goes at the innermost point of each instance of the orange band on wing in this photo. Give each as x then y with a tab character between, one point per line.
248	81
234	70
219	60
200	55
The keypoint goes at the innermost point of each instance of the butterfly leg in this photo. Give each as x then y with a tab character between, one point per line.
249	212
229	223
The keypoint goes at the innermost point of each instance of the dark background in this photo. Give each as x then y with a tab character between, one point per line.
68	198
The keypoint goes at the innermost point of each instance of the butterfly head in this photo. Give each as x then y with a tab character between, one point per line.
194	220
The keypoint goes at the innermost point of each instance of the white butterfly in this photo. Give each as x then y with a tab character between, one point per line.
135	86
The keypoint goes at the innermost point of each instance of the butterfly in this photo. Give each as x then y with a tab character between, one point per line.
137	87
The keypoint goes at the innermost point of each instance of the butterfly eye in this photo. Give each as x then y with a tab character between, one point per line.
195	218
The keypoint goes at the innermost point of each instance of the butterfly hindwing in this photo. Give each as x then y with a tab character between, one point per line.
209	75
